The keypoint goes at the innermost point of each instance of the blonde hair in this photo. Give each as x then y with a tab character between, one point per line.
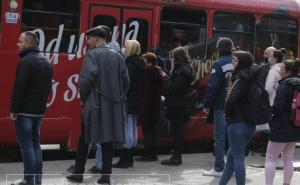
132	48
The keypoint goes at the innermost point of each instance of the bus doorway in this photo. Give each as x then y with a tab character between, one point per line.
126	23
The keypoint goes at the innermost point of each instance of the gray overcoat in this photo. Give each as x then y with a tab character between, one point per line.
103	84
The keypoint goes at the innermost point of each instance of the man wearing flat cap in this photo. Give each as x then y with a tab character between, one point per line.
103	84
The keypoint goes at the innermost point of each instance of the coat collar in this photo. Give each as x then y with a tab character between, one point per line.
24	52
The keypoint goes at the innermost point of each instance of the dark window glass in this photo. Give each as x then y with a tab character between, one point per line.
278	32
231	22
106	20
138	29
187	28
238	27
58	20
181	27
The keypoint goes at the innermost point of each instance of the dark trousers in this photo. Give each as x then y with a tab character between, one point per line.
149	133
176	117
28	134
82	152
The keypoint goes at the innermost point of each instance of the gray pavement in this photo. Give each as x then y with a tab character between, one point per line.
189	173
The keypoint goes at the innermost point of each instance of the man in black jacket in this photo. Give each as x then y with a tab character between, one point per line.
30	93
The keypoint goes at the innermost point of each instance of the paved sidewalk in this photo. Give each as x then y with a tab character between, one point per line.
189	173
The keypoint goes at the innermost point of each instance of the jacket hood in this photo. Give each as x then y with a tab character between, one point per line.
250	73
293	81
137	61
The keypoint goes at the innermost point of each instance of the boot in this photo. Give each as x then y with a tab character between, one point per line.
126	159
104	180
147	156
175	160
75	178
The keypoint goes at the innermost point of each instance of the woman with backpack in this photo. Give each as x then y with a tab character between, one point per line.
240	131
283	132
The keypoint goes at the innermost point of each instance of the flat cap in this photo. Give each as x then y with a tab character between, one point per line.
98	31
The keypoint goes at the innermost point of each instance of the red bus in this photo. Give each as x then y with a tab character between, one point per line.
158	25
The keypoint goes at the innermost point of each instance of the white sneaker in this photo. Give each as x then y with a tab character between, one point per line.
213	173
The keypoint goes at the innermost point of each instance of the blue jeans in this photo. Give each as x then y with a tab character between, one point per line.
131	131
239	135
28	134
219	139
99	157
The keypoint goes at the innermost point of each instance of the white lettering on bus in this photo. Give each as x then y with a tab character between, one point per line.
71	94
54	90
52	49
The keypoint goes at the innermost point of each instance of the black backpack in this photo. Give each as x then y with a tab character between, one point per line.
258	110
263	73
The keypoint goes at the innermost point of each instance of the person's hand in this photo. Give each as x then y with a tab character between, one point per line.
81	104
162	73
13	116
206	111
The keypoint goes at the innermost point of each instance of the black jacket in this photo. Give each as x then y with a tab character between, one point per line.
136	67
33	83
178	84
282	128
235	106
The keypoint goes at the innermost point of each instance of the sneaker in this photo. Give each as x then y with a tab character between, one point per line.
213	173
71	168
95	170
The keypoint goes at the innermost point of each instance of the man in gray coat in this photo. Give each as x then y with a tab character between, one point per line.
103	84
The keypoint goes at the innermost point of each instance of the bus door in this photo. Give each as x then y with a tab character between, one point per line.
126	23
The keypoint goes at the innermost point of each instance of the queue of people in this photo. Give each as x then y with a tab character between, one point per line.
116	91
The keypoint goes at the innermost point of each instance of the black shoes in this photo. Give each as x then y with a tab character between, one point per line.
126	159
75	178
175	160
95	170
104	180
172	162
147	158
71	168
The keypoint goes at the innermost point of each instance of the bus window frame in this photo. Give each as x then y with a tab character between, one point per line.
78	32
253	34
198	10
259	29
282	18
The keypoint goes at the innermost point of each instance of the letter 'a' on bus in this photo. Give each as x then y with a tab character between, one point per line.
158	25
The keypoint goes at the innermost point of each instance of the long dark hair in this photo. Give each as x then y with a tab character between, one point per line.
245	59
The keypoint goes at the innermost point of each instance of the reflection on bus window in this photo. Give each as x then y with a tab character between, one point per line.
58	20
180	27
238	27
278	32
137	29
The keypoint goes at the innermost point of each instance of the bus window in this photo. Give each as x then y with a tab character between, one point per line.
142	33
239	27
58	21
278	32
106	20
181	27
